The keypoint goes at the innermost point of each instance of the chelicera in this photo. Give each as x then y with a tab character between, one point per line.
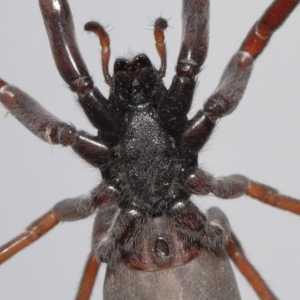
146	148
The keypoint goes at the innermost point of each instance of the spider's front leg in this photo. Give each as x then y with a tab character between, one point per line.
60	28
175	106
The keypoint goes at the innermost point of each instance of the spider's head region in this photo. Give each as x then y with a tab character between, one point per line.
136	82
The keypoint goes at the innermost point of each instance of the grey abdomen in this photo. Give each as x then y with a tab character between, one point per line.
209	276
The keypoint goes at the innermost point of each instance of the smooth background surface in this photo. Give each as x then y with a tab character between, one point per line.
260	139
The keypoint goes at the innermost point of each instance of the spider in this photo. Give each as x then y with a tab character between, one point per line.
203	75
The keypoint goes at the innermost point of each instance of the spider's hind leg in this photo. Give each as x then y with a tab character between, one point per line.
88	278
237	255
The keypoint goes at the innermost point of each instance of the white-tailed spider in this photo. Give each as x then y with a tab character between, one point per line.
156	242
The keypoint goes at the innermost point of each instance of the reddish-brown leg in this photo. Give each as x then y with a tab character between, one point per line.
270	196
88	278
33	232
270	21
237	255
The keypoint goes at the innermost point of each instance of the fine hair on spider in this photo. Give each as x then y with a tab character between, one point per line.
209	165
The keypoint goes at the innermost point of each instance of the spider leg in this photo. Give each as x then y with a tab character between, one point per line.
201	183
234	80
271	20
175	106
270	196
88	278
102	223
237	255
192	224
66	210
107	241
60	28
49	128
32	233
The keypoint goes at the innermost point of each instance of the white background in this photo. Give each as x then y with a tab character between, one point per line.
260	139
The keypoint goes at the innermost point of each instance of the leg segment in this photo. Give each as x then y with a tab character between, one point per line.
223	101
175	106
195	14
33	232
234	81
81	207
237	255
66	210
270	196
49	128
201	183
237	185
159	27
192	225
88	278
118	238
270	21
60	28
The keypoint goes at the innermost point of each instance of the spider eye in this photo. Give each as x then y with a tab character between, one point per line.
139	62
120	65
142	61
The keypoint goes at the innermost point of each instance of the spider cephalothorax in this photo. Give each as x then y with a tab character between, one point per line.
136	82
146	166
